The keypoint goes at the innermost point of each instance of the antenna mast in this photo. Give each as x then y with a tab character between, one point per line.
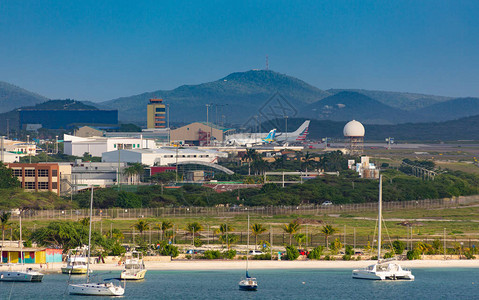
267	63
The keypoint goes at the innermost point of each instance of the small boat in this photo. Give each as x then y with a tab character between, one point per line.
105	288
248	283
134	268
76	262
382	270
25	274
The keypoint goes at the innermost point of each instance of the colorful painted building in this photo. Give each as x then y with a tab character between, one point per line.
31	255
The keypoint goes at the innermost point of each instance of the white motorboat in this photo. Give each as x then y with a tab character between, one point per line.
248	283
25	274
76	262
105	288
382	270
134	267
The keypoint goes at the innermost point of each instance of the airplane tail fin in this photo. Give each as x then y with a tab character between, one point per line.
270	137
302	132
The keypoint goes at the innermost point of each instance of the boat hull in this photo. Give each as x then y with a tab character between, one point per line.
74	271
21	276
248	287
96	289
370	275
139	275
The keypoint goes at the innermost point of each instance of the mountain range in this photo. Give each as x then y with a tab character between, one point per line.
244	97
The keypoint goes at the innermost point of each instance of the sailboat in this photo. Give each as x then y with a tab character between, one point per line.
105	288
382	270
248	283
26	274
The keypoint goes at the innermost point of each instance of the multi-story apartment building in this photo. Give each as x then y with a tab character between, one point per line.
43	177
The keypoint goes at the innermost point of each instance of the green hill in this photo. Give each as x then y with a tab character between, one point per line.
239	94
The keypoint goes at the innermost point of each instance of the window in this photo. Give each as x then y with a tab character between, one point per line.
17	172
54	185
54	173
29	185
138	146
43	185
114	145
42	173
29	172
160	109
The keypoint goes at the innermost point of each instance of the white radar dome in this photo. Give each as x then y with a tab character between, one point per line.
353	128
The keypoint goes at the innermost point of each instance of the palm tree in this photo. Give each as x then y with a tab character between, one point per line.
223	231
308	160
193	228
257	229
4	218
129	173
164	226
291	229
300	239
250	156
141	225
328	230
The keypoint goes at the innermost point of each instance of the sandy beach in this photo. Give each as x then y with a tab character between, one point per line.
192	265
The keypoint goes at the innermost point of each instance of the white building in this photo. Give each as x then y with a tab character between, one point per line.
162	156
85	174
77	146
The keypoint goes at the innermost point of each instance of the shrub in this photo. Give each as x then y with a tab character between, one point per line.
349	250
212	254
346	257
398	247
469	255
413	254
291	253
188	256
316	253
389	255
335	245
264	256
327	257
230	254
169	250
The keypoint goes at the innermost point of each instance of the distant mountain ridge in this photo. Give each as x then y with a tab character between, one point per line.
12	97
242	97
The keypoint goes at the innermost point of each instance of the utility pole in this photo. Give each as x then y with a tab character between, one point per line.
2	159
28	148
168	122
444	243
286	129
56	145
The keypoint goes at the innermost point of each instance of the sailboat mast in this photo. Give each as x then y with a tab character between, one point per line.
380	208
247	248
89	238
21	241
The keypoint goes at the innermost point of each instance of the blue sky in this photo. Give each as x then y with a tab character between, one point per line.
100	50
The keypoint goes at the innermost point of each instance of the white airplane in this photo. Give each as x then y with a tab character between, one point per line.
252	139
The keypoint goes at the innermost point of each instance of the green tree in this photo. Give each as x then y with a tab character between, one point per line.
4	218
291	229
300	239
291	253
328	230
250	156
193	228
163	178
257	229
7	180
222	232
335	246
398	247
141	226
316	252
164	226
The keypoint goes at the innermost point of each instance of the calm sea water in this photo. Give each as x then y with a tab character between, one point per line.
273	284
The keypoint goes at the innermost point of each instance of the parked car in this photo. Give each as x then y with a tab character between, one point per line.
255	252
327	203
191	251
